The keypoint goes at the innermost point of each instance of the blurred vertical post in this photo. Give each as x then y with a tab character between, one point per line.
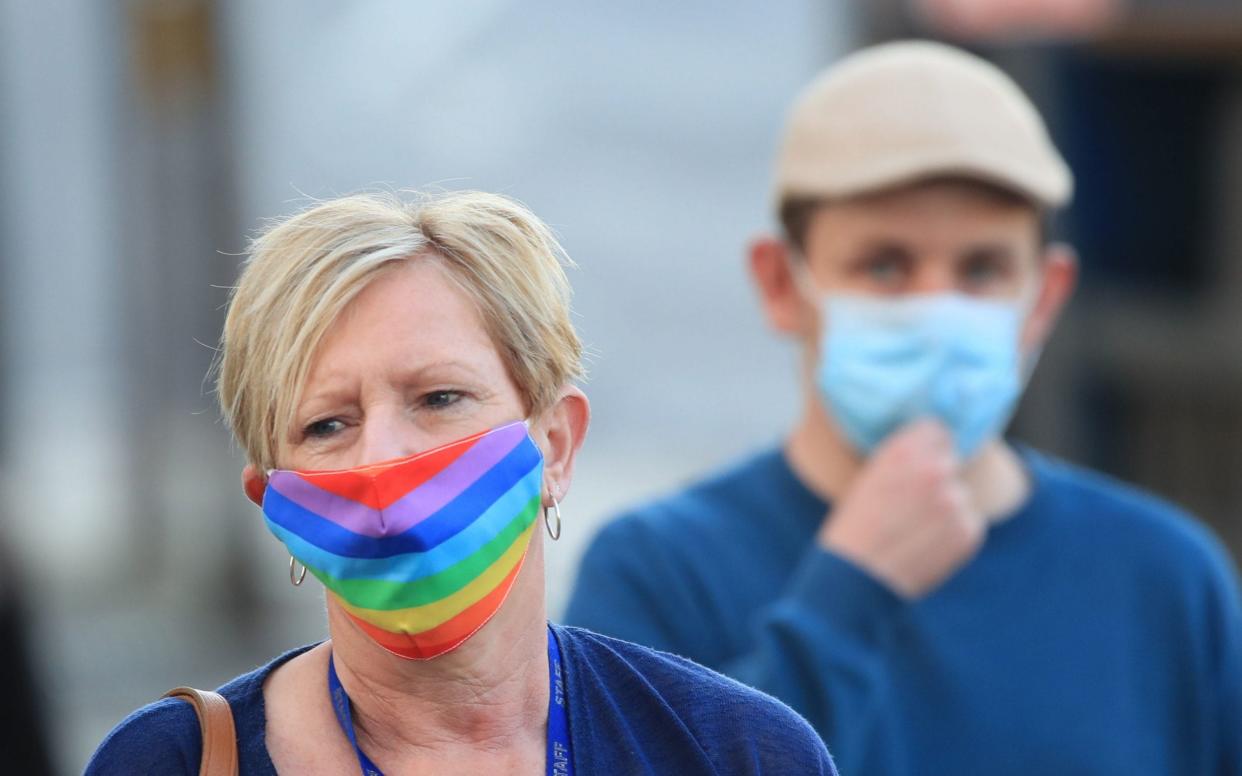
63	437
64	457
179	168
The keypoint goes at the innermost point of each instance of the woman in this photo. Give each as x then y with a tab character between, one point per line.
401	379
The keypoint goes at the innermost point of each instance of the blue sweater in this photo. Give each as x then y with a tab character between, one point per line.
1097	631
631	710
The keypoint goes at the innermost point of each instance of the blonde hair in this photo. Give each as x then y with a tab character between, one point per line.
303	271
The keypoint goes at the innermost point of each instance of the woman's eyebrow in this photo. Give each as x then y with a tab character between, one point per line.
436	369
314	403
334	392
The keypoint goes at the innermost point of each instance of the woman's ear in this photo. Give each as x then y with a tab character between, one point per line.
560	432
772	274
1058	278
253	484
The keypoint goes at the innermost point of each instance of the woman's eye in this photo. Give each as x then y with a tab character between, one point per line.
323	428
438	399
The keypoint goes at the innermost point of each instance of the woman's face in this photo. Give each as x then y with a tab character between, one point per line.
406	367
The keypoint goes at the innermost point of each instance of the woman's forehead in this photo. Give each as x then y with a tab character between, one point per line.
413	315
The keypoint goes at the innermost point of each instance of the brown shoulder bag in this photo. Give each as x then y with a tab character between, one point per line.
215	720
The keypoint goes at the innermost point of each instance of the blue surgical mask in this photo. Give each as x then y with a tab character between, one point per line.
886	362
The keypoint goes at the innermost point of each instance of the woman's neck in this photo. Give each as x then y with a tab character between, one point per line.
490	695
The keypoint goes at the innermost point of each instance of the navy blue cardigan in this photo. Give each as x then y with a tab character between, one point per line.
632	710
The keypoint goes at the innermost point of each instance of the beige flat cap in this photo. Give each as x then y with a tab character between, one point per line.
900	112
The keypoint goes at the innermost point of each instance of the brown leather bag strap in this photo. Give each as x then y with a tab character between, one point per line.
215	720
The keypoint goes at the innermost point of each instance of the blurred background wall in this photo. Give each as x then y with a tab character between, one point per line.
143	141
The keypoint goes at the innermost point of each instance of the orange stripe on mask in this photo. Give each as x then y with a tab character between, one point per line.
442	638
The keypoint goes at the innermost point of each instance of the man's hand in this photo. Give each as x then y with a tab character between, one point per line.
908	519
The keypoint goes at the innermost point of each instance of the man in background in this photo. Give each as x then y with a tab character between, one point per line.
932	598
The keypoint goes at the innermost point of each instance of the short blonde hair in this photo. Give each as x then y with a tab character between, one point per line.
303	271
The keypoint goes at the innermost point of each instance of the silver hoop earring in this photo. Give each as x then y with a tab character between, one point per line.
547	523
298	578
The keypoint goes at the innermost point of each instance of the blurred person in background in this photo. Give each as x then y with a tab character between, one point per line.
931	597
400	376
23	732
979	19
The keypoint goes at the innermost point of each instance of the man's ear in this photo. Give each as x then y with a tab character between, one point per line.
771	271
253	484
1059	279
560	432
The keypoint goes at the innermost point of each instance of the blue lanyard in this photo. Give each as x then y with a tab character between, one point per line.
560	757
560	754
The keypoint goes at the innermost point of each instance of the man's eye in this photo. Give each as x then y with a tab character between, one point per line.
437	399
984	270
884	269
323	428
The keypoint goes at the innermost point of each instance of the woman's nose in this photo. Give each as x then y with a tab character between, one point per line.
387	435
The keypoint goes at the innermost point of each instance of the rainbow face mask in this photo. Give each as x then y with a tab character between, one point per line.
420	551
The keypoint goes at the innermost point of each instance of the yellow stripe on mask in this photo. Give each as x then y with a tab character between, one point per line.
417	619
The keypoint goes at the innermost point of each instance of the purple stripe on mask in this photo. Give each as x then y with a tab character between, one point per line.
415	506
